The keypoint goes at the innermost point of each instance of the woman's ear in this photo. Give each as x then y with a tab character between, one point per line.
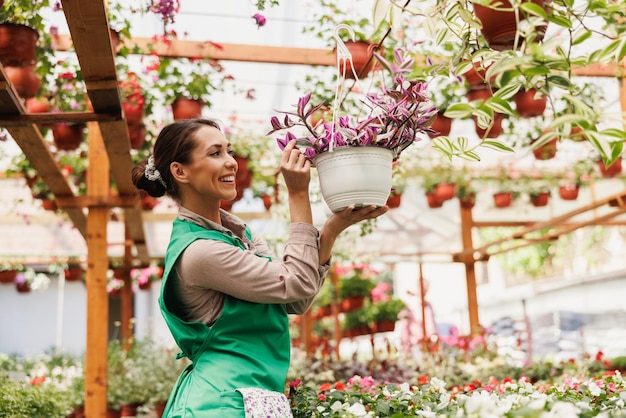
178	172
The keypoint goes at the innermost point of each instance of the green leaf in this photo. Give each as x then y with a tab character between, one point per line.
459	111
500	106
616	133
581	36
560	81
534	9
560	21
496	145
508	91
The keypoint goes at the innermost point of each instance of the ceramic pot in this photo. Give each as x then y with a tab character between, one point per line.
468	202
8	276
24	80
18	45
494	131
502	199
354	176
394	200
433	201
445	191
540	199
546	151
67	136
442	125
529	103
568	191
612	170
184	108
499	26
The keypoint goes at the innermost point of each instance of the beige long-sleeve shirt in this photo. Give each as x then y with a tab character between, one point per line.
208	269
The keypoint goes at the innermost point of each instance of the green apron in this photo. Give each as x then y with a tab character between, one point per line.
248	345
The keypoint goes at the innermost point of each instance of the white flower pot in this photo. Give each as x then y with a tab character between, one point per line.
359	176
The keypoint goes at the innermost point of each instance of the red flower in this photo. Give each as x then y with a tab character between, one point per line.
423	379
325	386
339	386
38	380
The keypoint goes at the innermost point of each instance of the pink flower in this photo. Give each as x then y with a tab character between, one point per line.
260	20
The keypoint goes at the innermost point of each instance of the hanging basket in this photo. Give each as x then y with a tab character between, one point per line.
529	103
18	44
24	80
442	125
362	59
68	136
184	108
354	176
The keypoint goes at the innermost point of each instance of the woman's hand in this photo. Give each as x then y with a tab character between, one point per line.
296	169
339	221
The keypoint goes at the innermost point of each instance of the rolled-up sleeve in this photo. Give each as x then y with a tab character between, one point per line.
294	279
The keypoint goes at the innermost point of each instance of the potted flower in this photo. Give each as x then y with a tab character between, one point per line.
354	286
356	322
21	24
9	271
398	113
384	314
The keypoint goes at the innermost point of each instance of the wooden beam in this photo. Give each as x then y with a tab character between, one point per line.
47	118
35	148
470	271
98	201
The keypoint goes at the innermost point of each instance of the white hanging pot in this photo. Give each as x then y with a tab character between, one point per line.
359	176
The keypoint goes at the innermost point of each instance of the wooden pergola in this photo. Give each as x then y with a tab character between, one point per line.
109	154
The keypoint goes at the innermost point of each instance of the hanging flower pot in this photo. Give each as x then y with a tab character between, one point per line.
539	199
445	191
73	273
18	45
475	78
432	201
481	94
442	125
184	108
546	151
354	176
499	24
530	103
568	191
468	201
352	303
22	287
267	201
362	59
612	170
8	276
243	178
227	204
493	131
394	200
49	204
67	136
136	134
502	199
385	325
24	80
38	105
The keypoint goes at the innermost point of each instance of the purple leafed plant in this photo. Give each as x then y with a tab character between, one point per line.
396	115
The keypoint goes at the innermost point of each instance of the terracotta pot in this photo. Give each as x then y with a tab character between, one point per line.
568	191
18	45
476	78
8	276
184	108
547	151
502	199
494	131
500	26
267	201
38	105
612	170
73	273
227	204
529	103
159	407
351	303
540	199
384	326
113	413
147	202
356	331
576	134
362	59
243	178
433	201
24	80
136	134
49	204
442	125
482	95
394	200
468	202
445	191
22	287
68	136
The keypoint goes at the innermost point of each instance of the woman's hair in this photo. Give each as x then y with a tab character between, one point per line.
175	143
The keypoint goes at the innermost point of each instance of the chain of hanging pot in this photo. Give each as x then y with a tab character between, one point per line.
344	53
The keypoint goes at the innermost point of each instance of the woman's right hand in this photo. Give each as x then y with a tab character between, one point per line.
296	169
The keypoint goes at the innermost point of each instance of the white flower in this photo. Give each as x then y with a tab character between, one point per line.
594	389
444	400
562	410
358	410
438	383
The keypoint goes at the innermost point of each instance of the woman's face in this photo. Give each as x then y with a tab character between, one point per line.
212	169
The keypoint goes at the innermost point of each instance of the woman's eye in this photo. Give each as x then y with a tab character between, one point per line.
231	153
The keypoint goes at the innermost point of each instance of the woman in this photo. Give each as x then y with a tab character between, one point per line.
224	297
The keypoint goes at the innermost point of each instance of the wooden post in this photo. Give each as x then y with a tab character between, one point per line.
425	345
97	265
470	273
127	293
